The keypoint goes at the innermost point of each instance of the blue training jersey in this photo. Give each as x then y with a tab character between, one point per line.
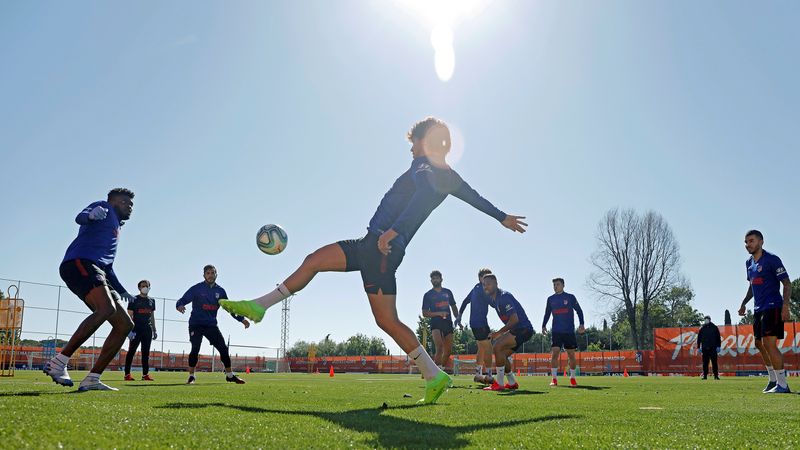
478	307
97	239
205	303
765	277
562	306
506	306
97	242
416	193
440	301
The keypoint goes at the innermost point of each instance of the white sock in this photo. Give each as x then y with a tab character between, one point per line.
500	375
572	373
92	377
511	378
64	360
276	296
781	378
424	362
555	372
771	373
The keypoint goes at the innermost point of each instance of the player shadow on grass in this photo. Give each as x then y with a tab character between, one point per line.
159	385
34	394
391	431
589	388
509	392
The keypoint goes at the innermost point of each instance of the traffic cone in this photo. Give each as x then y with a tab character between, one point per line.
247	370
517	371
331	371
625	373
565	371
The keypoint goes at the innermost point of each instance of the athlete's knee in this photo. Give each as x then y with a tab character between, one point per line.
388	322
313	261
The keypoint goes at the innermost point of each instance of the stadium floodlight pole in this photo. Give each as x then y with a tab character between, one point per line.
286	306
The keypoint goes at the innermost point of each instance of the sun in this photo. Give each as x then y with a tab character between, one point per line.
442	17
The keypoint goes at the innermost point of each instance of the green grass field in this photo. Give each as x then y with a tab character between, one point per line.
315	411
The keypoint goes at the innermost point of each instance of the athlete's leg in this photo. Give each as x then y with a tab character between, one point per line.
487	353
555	355
447	349
103	307
438	343
146	341
196	339
765	354
329	258
503	347
215	338
131	353
571	356
121	325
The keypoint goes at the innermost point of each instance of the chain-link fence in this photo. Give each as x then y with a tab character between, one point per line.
53	313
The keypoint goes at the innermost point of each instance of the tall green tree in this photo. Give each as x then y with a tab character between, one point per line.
794	306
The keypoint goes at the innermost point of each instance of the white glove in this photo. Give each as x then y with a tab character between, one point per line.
98	213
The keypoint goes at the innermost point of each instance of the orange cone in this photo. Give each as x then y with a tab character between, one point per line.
517	372
247	370
565	371
625	373
331	371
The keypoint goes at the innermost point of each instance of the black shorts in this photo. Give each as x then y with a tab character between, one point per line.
768	323
212	333
522	335
566	340
480	333
82	275
443	325
377	270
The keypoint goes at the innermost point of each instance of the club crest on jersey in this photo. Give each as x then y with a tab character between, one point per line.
760	268
424	168
217	295
566	301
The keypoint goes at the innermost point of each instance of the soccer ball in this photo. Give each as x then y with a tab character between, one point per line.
271	239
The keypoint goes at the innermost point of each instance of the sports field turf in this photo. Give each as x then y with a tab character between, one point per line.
315	411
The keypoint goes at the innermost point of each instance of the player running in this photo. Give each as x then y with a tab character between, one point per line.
204	297
479	322
87	269
766	273
142	311
563	306
437	304
517	330
411	199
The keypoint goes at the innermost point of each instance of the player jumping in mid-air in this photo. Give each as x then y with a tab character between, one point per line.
437	304
204	297
766	273
87	269
562	306
411	199
517	330
142	311
479	322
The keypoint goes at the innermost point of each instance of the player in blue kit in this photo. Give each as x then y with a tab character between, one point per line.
479	323
204	297
142	311
403	209
563	307
437	304
87	269
517	330
766	273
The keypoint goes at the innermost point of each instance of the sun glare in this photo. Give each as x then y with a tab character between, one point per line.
442	17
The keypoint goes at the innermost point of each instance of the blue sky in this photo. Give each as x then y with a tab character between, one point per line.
224	117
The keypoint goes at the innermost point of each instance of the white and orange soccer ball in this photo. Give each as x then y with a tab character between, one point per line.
271	239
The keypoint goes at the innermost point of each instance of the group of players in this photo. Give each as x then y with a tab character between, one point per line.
517	329
87	269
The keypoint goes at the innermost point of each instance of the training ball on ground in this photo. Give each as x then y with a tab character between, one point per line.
271	239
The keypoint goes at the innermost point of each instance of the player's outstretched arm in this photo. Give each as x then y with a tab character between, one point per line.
467	194
747	297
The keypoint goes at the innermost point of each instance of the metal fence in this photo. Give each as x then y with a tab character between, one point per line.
52	312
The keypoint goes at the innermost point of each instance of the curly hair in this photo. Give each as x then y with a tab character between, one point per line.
116	192
420	128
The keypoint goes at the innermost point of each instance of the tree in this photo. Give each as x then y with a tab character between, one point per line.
794	305
424	333
728	320
636	261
